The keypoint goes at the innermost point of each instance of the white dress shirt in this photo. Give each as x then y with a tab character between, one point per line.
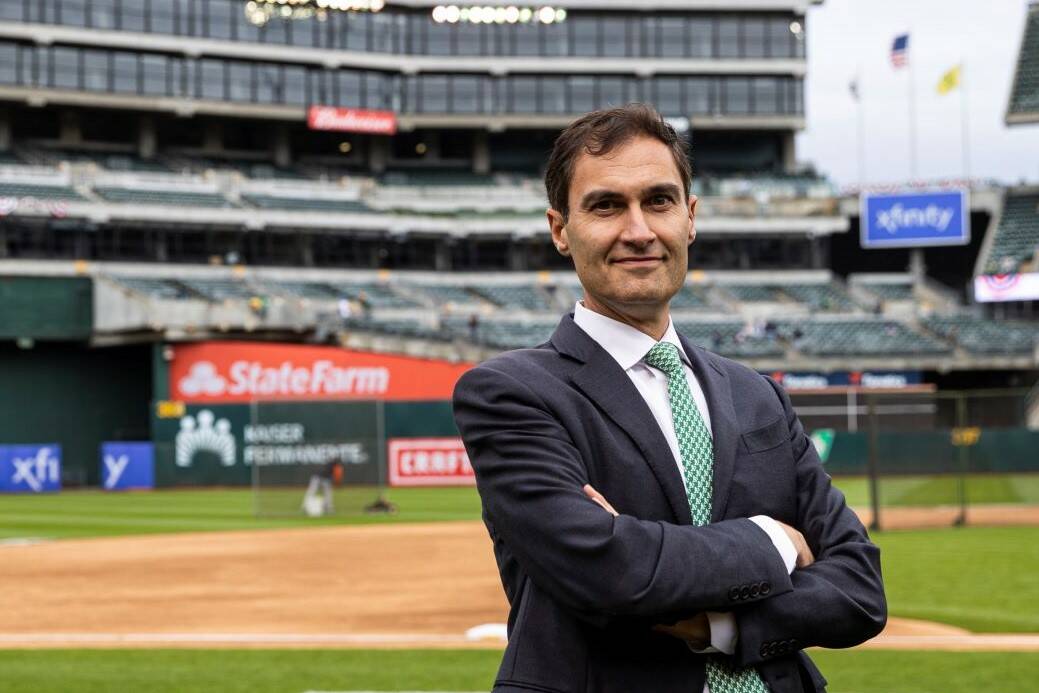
628	346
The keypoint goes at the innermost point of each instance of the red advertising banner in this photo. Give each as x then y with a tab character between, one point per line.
429	462
352	120
225	372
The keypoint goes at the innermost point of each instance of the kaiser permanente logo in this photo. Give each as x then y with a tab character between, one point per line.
252	378
203	435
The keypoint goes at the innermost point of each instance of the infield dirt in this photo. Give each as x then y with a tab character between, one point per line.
384	586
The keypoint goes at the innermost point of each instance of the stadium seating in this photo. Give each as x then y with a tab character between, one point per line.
156	288
521	296
163	197
825	298
1024	98
446	293
981	336
1017	237
755	293
10	188
218	290
690	298
309	204
374	295
731	339
500	334
890	292
847	337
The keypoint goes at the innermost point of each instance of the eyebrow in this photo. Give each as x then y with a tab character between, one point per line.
595	196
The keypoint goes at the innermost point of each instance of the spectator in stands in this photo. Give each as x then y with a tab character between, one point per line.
258	305
474	327
345	310
365	303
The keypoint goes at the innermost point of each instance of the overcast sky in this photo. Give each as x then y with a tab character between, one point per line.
849	36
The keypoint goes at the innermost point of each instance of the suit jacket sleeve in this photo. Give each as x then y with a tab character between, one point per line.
530	475
838	601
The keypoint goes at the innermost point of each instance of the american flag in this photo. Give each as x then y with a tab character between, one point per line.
900	51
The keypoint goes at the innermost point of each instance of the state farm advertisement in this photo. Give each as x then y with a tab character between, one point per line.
224	372
429	462
352	120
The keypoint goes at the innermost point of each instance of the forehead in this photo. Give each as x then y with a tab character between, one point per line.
632	166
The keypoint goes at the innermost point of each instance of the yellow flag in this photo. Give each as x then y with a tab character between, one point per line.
950	80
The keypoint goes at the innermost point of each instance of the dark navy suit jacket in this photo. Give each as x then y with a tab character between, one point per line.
585	588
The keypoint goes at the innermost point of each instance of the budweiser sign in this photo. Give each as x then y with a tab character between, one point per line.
429	462
352	120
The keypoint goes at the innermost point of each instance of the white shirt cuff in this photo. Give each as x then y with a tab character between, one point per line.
785	547
723	633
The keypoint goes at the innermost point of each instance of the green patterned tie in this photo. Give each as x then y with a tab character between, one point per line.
697	451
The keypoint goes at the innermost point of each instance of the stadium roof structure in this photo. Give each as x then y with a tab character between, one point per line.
1024	95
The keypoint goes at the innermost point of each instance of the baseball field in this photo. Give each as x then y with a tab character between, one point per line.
188	591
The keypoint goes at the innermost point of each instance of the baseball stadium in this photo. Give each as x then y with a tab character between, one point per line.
248	248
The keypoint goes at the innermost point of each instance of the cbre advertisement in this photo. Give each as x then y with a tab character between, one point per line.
914	219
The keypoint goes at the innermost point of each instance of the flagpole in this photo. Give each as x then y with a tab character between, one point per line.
912	111
964	124
861	129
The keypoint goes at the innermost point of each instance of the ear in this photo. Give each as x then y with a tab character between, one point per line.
693	199
557	226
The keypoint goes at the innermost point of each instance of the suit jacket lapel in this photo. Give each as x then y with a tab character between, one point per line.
606	384
724	426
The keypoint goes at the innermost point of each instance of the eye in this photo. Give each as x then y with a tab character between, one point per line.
603	205
660	200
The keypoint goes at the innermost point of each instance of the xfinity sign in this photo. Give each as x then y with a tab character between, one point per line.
914	219
30	468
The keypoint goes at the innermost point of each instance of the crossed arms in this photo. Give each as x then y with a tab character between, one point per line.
531	476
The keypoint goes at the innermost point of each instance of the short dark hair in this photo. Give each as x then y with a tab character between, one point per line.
598	133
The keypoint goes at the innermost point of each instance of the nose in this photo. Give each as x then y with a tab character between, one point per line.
636	229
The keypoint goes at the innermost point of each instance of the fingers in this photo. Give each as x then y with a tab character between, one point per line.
598	498
804	553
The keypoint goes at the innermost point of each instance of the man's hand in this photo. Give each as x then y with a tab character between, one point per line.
804	554
598	498
696	631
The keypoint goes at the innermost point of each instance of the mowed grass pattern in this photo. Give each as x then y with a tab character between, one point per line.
979	578
294	671
89	513
927	491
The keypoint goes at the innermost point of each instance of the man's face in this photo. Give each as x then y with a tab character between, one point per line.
629	228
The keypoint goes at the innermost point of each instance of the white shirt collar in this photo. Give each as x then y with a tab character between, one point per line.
623	342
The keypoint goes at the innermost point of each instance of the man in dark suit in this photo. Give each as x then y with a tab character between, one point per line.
659	518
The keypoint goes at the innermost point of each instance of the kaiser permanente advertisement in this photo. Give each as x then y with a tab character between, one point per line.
247	405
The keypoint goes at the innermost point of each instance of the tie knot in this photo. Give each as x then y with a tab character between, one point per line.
664	355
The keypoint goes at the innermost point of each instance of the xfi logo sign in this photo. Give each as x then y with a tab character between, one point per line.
30	468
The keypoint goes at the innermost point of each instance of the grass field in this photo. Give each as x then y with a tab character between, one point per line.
96	513
86	513
294	671
900	491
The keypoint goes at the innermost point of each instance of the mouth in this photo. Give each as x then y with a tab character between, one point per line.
642	261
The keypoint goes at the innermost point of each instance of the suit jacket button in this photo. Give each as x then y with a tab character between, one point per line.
764	650
734	593
754	590
744	592
766	587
